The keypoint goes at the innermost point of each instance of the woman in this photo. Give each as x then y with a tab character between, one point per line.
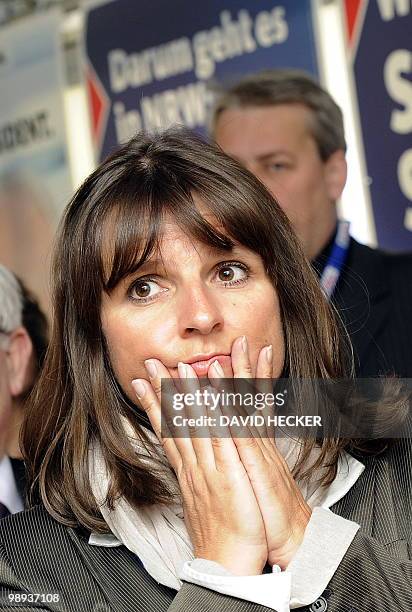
175	263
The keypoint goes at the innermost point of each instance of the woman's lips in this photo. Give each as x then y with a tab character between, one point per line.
201	367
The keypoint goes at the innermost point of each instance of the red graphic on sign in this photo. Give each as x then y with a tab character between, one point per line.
99	106
352	9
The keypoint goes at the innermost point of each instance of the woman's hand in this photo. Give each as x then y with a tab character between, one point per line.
284	510
232	487
221	513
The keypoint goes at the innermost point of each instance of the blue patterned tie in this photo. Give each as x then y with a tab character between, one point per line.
3	511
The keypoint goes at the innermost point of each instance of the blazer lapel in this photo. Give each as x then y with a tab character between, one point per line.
392	515
120	575
370	502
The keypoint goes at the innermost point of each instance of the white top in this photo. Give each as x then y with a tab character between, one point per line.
9	494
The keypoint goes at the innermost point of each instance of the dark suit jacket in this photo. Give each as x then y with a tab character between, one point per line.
38	555
374	299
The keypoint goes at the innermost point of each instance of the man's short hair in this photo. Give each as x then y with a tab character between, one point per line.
287	86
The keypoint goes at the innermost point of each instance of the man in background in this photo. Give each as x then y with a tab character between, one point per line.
289	132
23	340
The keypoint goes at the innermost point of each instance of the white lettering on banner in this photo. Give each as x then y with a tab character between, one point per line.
400	89
397	65
127	71
213	46
246	25
271	28
231	34
186	104
231	38
389	9
158	63
405	173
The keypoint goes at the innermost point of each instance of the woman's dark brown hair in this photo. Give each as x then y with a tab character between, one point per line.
123	204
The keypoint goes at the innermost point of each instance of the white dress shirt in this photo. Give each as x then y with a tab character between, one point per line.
9	494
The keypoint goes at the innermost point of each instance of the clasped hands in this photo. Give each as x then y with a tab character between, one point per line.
242	506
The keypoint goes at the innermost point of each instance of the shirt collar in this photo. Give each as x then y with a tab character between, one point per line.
9	495
107	540
348	472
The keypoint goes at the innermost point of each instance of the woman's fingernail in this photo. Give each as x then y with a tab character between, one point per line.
269	354
182	369
217	369
151	368
139	387
244	344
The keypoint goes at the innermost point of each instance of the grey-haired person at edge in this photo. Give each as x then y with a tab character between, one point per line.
23	341
174	262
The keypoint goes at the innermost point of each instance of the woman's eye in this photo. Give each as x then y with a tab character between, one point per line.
232	274
144	290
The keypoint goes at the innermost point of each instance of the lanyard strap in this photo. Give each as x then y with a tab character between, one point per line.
336	261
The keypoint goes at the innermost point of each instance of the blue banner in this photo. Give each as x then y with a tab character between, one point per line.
151	63
383	73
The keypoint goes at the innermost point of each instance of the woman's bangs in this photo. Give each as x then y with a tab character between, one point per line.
197	220
132	235
237	216
133	231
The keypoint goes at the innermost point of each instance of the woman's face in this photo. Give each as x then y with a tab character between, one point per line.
189	303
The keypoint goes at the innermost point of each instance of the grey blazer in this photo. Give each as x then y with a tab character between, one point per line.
40	556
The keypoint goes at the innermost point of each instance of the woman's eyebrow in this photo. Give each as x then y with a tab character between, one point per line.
237	250
214	251
151	264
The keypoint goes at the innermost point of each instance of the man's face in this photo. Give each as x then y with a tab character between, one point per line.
16	376
276	144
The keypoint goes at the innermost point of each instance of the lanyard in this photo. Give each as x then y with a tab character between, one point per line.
337	258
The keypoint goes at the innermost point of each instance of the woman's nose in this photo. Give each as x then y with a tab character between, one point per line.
199	312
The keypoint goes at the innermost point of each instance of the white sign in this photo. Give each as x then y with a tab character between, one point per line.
35	181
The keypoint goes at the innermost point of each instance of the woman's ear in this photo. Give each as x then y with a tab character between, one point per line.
18	356
336	171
